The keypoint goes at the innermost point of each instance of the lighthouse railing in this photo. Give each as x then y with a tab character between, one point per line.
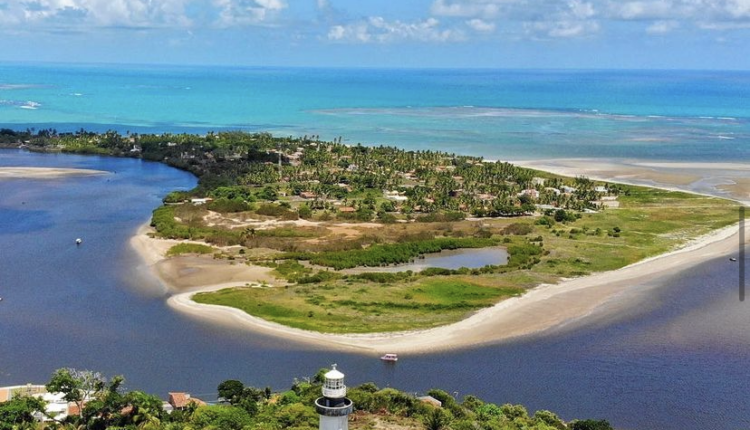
335	392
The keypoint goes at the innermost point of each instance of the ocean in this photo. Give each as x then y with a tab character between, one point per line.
498	114
671	354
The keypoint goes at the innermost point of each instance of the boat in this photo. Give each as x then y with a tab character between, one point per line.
389	357
79	241
732	259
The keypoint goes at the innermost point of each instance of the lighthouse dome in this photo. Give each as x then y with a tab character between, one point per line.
334	387
334	374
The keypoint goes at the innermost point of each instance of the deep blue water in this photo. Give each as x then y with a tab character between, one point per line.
676	358
499	114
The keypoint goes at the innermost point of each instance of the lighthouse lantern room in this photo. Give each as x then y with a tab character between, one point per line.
334	407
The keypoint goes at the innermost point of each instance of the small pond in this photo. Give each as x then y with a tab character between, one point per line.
451	259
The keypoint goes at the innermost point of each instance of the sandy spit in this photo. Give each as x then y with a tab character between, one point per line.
539	309
45	172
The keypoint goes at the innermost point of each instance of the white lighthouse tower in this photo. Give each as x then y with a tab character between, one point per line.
334	407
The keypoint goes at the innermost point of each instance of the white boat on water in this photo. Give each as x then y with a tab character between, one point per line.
389	357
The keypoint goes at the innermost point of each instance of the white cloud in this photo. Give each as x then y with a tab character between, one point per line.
379	30
468	8
662	27
631	10
247	12
669	14
575	18
738	8
481	26
137	13
100	13
561	29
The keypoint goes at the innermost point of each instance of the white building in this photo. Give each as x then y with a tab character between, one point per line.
57	406
334	407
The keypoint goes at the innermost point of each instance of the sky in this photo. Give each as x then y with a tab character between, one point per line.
557	34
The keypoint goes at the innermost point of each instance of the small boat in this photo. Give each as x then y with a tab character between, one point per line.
732	259
79	241
389	357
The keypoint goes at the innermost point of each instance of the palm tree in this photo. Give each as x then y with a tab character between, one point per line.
436	419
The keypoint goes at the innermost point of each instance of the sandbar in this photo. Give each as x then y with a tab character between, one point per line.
45	172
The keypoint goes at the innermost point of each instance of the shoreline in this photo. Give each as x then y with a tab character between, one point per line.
541	308
723	180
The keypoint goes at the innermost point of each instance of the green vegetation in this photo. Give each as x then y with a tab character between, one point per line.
243	407
190	248
408	304
385	255
423	201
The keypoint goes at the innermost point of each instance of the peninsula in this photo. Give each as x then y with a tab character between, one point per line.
292	236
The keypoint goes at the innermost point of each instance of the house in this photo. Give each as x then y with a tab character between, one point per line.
8	393
347	209
394	196
180	401
534	194
203	201
308	195
538	181
567	190
601	189
57	406
431	401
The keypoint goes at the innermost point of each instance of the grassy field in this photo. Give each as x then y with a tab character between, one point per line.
649	222
357	308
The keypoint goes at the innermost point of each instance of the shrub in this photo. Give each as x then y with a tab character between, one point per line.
189	248
518	229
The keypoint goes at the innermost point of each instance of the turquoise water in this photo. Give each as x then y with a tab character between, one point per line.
498	114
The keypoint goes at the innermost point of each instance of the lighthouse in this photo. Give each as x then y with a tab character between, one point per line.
334	407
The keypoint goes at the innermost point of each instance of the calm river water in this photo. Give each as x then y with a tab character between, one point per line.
676	357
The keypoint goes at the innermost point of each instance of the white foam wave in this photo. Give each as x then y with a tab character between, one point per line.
30	105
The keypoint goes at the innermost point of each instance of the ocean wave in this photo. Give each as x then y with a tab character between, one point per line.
19	86
30	105
21	104
468	112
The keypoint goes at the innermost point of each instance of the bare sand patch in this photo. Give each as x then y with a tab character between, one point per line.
188	272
